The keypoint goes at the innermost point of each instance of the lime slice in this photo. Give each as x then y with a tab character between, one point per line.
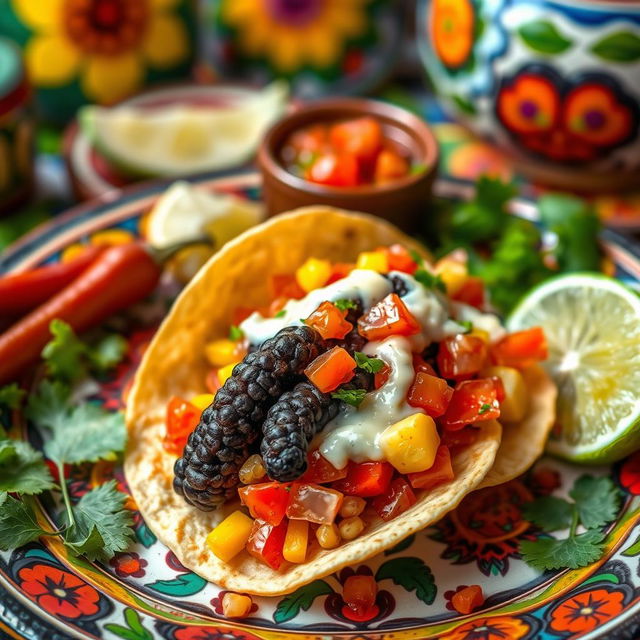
592	324
183	139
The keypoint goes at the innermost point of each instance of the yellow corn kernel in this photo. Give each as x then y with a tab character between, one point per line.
480	333
373	261
236	605
352	506
252	470
453	273
295	542
351	528
328	536
223	352
516	396
230	536
411	444
225	372
202	401
313	274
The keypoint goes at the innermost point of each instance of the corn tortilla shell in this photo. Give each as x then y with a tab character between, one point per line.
174	364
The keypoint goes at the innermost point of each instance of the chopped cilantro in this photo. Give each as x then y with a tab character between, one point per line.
354	397
467	325
569	553
415	256
11	396
281	314
344	304
430	280
235	333
22	469
371	365
484	408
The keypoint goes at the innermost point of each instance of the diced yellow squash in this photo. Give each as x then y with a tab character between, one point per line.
453	272
313	274
295	542
229	538
223	352
515	405
202	401
225	372
373	261
411	444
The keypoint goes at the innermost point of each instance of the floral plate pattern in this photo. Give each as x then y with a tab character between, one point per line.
146	593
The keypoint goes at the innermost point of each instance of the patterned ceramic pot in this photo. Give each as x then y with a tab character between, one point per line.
554	82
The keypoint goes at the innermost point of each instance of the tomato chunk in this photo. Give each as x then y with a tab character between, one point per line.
460	438
521	349
471	292
313	138
266	501
421	365
334	170
399	259
430	393
340	270
329	321
390	166
440	472
285	285
397	499
240	314
331	369
380	378
212	382
388	318
314	503
365	479
320	470
461	356
472	401
182	419
360	138
468	599
359	594
266	543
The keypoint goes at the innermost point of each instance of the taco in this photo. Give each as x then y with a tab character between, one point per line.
335	421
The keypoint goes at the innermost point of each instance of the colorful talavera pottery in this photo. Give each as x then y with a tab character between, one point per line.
554	82
321	46
98	51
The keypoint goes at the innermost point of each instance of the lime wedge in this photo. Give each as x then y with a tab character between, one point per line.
183	139
592	324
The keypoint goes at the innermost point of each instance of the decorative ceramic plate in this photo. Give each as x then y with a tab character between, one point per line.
145	593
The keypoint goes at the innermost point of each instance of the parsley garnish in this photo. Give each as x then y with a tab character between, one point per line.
11	396
596	502
354	397
371	365
343	305
415	256
235	333
281	314
484	408
430	280
467	325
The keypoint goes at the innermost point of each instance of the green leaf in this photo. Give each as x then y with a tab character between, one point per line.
354	397
543	36
302	598
47	407
84	539
467	325
466	106
484	408
344	304
632	550
235	333
18	523
364	362
107	353
401	546
134	630
430	280
22	469
622	46
281	314
411	574
186	584
11	396
597	500
570	553
549	513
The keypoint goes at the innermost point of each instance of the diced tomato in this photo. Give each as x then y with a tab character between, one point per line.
390	317
240	314
461	356
421	365
266	542
313	138
331	369
397	499
340	270
439	473
267	500
212	382
359	594
468	599
472	401
182	419
520	349
360	138
365	479
285	285
430	393
460	438
320	470
314	503
500	393
399	259
389	166
334	170
471	292
382	376
329	321
277	304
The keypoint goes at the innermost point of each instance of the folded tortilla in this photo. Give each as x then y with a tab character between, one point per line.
175	364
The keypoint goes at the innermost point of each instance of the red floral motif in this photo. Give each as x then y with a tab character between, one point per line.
448	595
172	561
128	565
544	481
59	592
212	633
498	628
216	603
630	474
585	611
564	121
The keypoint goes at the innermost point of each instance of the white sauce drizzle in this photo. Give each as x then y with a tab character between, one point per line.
488	322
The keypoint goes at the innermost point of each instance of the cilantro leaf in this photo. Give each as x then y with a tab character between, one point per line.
281	314
570	553
364	362
11	396
549	513
597	500
430	280
235	333
47	407
416	257
22	469
466	324
18	524
354	397
107	353
484	408
344	304
102	525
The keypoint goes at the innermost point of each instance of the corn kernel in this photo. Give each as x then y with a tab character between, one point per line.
313	274
328	536
225	372
352	506
236	605
223	352
230	536
516	396
295	542
202	401
351	528
252	470
411	444
480	333
373	261
453	273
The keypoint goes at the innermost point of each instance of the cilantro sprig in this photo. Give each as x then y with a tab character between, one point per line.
370	365
345	304
235	333
353	397
596	502
430	280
